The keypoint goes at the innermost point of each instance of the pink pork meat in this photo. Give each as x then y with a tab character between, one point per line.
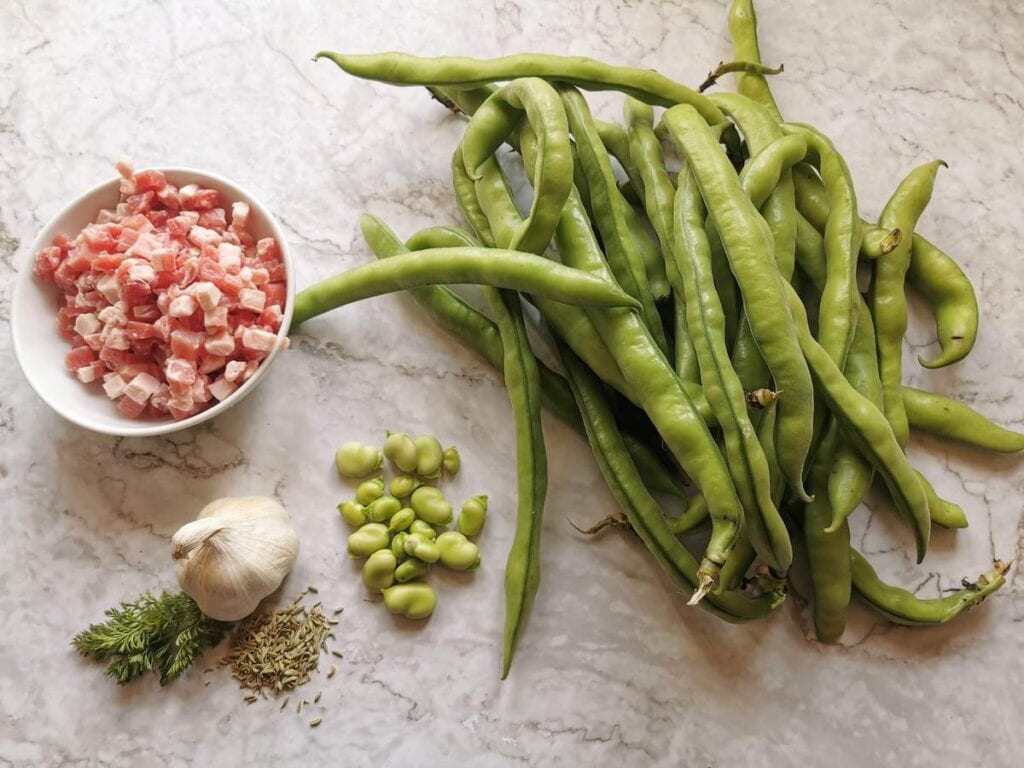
169	303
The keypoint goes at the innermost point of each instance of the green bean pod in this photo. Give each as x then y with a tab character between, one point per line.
695	514
904	607
606	203
867	427
722	387
478	332
887	298
851	474
498	268
944	513
837	313
522	571
743	28
589	74
942	283
659	391
748	246
616	143
658	194
492	198
938	415
652	469
642	511
827	548
813	204
537	102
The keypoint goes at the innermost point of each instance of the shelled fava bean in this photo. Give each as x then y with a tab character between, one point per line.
400	541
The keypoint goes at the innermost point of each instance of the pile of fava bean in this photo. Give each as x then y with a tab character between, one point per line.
696	269
402	527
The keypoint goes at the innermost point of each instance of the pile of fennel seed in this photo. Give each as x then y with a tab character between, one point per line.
278	651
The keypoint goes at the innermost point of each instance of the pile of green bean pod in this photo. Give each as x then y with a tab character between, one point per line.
716	350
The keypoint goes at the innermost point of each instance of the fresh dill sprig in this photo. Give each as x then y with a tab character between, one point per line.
163	635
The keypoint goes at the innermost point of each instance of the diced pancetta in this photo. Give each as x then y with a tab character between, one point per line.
164	303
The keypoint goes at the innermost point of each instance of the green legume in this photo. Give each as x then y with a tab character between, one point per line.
367	540
369	491
353	512
401	520
357	460
383	509
379	570
430	505
458	552
402	486
411	568
472	516
429	456
414	600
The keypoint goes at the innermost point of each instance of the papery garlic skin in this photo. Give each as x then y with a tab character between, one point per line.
234	554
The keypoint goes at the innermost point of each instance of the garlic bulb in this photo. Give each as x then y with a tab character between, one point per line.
234	554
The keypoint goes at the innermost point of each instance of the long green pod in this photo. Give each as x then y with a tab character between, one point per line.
589	74
749	248
743	28
472	327
493	201
468	101
647	247
659	391
606	202
867	427
904	607
943	284
641	509
616	143
827	546
851	474
837	313
760	128
812	202
887	296
760	178
537	102
945	514
480	333
767	180
658	193
437	266
522	571
938	415
691	257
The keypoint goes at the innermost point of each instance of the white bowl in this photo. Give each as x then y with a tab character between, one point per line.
40	349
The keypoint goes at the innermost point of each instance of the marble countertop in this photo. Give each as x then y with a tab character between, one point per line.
614	669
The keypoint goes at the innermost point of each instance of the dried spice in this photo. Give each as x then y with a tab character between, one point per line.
278	651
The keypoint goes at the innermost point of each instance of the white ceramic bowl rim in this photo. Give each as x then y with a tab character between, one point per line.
89	411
